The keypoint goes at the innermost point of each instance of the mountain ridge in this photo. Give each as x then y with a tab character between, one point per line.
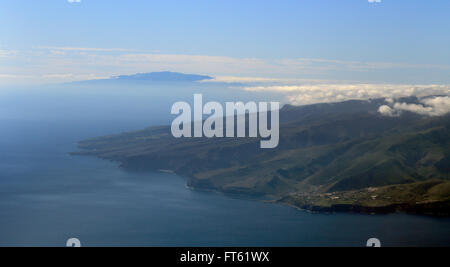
324	148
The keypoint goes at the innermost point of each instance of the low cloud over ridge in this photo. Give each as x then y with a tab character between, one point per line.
336	92
431	106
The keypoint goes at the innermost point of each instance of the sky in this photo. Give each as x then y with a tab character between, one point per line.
322	41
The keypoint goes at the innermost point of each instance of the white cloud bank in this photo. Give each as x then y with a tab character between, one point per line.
336	92
431	106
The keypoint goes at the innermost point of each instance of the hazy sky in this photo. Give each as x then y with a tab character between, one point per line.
387	41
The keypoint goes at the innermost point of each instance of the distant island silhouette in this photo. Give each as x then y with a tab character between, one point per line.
157	77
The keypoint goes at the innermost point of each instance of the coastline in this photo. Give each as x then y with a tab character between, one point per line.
434	209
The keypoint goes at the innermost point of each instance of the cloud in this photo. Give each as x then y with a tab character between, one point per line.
237	79
374	1
7	53
360	66
104	62
84	49
430	106
13	76
415	108
440	105
74	1
386	111
327	92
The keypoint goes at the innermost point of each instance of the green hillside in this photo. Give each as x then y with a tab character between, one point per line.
324	148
